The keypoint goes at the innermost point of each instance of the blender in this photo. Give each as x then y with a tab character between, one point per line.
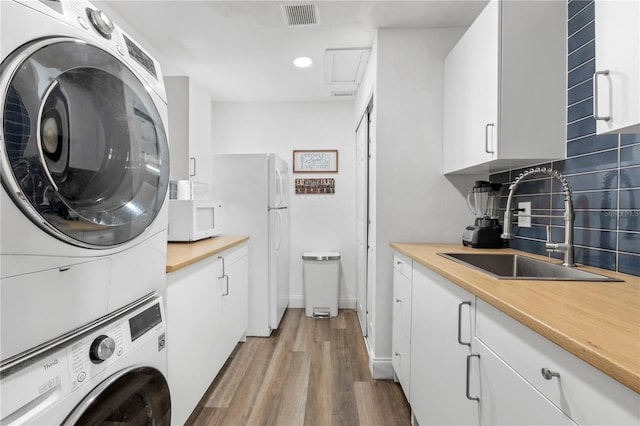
485	231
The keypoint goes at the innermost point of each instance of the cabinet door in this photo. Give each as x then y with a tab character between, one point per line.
401	360
200	147
618	51
438	360
402	302
508	399
471	101
193	307
189	114
234	291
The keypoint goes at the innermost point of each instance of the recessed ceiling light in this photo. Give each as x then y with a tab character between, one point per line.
303	62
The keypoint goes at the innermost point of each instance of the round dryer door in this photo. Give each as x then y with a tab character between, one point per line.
84	150
137	396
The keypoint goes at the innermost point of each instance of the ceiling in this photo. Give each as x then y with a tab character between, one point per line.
242	51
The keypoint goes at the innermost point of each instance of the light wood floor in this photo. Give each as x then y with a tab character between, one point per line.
309	372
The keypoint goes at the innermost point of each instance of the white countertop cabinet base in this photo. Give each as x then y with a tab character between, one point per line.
501	366
438	360
207	315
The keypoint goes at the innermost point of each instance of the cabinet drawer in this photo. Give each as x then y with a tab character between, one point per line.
402	302
403	264
401	360
582	392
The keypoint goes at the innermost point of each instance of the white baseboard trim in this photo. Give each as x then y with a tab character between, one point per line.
380	367
297	301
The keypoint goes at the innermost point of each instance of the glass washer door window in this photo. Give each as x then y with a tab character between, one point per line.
84	150
137	397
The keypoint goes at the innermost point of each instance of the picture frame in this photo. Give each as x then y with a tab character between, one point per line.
315	161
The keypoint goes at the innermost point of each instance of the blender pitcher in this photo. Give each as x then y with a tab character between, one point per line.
486	230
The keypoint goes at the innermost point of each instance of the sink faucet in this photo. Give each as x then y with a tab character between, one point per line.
565	247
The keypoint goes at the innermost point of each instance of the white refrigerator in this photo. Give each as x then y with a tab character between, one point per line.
254	191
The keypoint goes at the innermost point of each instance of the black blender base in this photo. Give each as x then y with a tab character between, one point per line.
480	237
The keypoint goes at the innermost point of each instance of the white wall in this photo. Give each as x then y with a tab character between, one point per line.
318	222
414	201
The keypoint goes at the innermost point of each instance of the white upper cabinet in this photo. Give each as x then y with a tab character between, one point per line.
189	130
616	97
505	89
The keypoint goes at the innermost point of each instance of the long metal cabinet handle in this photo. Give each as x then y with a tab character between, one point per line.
193	161
223	268
460	324
486	138
596	113
226	293
469	368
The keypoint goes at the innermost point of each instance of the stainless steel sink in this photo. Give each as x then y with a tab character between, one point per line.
518	267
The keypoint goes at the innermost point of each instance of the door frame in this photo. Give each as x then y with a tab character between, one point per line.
363	282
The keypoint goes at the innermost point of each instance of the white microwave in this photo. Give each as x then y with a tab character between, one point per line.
193	220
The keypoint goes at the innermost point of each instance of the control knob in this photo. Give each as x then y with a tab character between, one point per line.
101	349
101	22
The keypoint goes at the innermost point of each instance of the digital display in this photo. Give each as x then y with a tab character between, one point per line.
145	321
140	57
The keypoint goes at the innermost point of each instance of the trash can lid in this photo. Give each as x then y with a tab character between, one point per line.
321	255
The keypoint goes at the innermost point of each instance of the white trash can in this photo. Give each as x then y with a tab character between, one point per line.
321	277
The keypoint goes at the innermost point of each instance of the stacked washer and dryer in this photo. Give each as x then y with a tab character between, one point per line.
85	169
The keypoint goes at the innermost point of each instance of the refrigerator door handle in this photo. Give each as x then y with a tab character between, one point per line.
276	208
279	240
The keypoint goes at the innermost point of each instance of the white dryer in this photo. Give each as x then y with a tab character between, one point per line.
112	371
84	166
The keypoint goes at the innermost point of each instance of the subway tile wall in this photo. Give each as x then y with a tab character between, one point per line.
603	172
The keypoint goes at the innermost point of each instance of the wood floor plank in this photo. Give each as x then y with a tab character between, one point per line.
338	322
318	407
369	410
321	330
227	385
209	416
394	405
345	409
244	399
292	405
304	335
357	348
266	407
309	372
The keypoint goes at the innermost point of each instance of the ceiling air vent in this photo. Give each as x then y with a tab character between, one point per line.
296	15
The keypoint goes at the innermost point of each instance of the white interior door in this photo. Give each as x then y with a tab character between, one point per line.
362	154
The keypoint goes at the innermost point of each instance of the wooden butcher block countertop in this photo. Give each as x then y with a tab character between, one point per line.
597	321
180	255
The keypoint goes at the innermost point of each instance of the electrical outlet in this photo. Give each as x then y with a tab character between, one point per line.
524	217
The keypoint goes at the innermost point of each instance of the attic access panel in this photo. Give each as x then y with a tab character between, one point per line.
344	68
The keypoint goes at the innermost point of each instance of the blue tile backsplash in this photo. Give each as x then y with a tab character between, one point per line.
603	172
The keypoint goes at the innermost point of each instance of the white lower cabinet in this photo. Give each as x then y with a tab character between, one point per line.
580	391
207	308
441	334
472	364
401	327
504	397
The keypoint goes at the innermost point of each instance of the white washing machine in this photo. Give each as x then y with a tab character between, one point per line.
84	166
112	371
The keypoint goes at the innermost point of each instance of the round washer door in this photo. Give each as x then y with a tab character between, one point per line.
136	396
84	150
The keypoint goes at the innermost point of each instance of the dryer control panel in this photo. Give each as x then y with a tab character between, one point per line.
83	15
61	371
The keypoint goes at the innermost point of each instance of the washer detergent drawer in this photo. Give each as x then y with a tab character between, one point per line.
37	307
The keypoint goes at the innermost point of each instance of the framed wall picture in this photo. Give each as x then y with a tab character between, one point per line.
315	161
